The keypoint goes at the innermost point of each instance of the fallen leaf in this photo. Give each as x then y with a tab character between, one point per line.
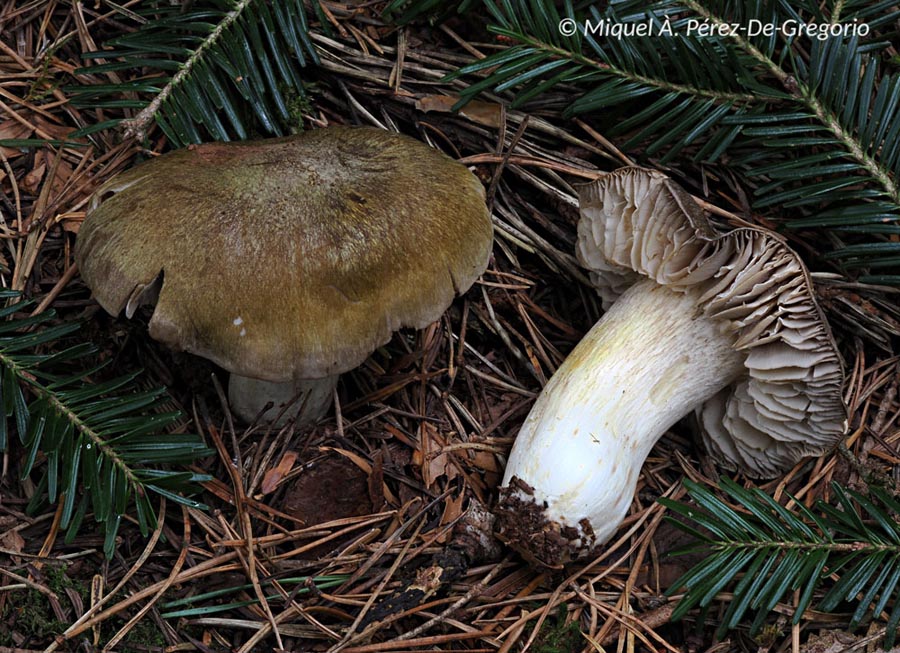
452	511
333	487
833	641
54	129
71	222
32	181
488	114
441	465
274	475
434	462
12	542
13	130
484	460
42	163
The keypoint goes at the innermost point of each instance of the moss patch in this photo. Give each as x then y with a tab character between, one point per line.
27	614
557	636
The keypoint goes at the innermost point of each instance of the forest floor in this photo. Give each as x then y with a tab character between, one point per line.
351	531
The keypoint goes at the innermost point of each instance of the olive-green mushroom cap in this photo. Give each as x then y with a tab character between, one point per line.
288	258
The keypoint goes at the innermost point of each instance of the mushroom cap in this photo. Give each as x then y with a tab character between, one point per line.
637	223
288	258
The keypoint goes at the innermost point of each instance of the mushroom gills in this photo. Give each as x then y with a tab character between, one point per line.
653	358
307	400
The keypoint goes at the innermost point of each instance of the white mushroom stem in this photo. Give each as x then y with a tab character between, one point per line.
248	397
648	362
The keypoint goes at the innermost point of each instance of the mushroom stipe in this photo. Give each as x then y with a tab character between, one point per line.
723	327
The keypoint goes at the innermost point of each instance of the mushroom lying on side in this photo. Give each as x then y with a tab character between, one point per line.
723	326
287	261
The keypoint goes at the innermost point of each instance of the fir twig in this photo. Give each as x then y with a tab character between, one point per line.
99	435
764	552
813	129
237	70
805	94
137	127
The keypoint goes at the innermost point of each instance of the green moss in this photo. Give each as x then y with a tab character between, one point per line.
145	636
45	84
58	581
28	612
299	104
557	636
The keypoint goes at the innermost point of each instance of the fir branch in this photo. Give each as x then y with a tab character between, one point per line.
813	131
97	436
72	416
236	70
557	53
137	127
765	552
541	48
802	92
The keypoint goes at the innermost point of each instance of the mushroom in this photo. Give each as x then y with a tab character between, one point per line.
287	261
722	326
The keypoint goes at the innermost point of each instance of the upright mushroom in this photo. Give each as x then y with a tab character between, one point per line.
722	326
287	261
